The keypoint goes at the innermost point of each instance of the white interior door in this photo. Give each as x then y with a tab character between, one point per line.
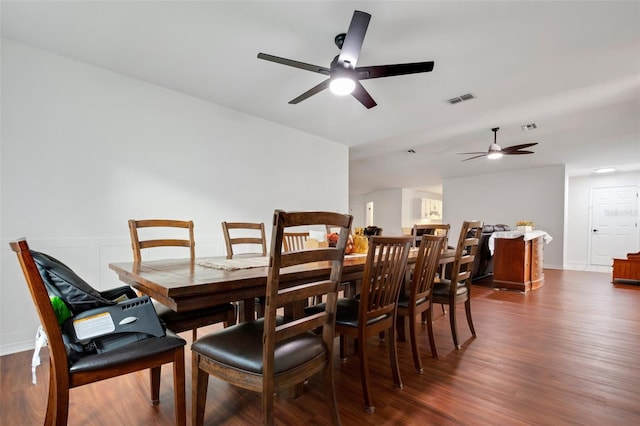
614	223
369	221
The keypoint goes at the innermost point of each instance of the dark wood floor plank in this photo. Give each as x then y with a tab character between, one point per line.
568	353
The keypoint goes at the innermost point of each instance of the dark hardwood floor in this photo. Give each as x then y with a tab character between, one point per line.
568	353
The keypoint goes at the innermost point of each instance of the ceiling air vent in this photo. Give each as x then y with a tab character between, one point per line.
461	98
527	127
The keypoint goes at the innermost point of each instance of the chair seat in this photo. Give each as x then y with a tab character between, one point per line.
183	321
130	352
346	312
403	301
443	288
240	346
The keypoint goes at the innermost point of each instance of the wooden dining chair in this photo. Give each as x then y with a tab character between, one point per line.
439	229
67	372
458	288
373	311
372	230
269	355
177	233
294	240
243	234
416	299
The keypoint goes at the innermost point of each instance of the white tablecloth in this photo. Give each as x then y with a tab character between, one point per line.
517	234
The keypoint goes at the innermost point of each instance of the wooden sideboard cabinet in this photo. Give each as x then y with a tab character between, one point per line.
518	264
627	269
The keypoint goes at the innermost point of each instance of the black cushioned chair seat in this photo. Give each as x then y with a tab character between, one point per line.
185	320
346	312
117	292
483	262
442	288
403	301
136	350
240	346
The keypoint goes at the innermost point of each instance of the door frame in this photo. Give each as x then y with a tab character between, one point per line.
635	214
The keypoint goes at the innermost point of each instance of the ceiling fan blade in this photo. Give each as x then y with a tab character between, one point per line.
378	71
517	152
295	64
517	147
361	94
355	37
477	156
315	89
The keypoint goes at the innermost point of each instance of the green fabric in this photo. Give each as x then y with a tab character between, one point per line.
60	308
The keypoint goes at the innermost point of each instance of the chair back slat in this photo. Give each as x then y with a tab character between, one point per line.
295	327
292	294
295	240
308	256
164	243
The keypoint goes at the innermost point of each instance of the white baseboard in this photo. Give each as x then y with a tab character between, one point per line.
16	347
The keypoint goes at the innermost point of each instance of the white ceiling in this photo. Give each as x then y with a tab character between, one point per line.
571	67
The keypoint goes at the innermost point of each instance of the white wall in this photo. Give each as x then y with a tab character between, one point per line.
357	208
502	209
579	211
412	205
531	194
393	209
84	150
387	210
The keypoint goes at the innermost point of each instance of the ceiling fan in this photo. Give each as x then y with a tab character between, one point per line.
495	151
344	76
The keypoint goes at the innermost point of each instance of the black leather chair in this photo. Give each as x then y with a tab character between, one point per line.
483	263
372	231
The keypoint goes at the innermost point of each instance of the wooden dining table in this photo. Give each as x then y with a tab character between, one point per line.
184	285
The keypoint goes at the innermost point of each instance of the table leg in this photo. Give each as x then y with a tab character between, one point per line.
246	309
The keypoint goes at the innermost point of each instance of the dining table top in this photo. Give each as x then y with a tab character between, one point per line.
185	284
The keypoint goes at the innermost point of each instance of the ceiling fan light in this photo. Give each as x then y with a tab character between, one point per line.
342	86
495	152
605	170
